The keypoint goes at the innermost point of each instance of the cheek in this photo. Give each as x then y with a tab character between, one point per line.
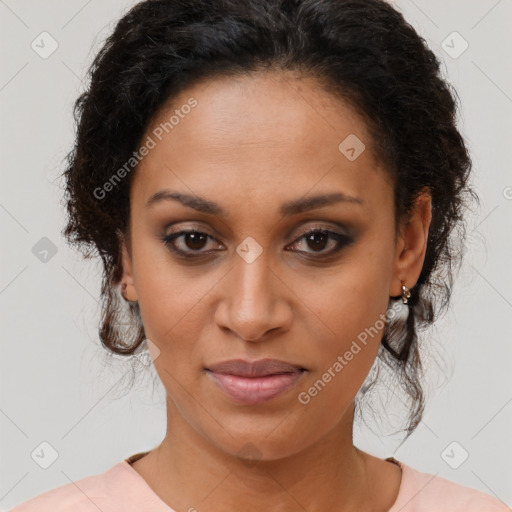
174	321
168	297
350	310
353	301
171	308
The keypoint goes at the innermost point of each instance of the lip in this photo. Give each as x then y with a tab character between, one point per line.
254	382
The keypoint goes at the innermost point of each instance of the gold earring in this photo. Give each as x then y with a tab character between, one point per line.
405	294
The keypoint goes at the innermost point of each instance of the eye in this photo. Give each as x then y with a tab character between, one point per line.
318	239
191	243
186	243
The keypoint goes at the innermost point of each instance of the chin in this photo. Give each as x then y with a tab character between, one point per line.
267	443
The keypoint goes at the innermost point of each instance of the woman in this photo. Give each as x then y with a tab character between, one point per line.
272	187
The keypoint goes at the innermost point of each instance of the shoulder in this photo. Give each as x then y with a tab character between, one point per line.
425	492
98	492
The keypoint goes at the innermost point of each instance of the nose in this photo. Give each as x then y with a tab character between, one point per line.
255	301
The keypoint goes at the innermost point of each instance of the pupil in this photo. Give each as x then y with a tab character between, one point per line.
194	238
316	244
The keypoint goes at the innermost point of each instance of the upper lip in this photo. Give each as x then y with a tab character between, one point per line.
260	368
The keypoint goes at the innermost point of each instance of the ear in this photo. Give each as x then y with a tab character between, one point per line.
130	292
412	245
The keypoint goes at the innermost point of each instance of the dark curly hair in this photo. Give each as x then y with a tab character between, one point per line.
363	51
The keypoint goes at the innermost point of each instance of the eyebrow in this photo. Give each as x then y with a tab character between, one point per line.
287	209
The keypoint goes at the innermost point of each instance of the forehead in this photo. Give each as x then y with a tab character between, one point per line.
258	136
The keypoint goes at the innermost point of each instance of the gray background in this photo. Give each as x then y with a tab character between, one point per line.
57	386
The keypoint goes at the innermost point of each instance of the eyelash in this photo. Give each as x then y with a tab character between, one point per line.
341	239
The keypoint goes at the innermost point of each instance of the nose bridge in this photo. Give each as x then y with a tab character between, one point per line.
252	277
253	305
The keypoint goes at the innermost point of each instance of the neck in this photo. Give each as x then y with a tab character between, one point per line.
189	472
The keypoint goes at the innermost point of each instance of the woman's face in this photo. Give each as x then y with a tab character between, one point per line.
260	162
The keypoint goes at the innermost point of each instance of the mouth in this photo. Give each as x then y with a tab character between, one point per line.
254	382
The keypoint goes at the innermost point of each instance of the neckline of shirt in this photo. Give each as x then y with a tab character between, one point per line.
127	463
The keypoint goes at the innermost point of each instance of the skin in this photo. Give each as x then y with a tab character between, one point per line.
251	144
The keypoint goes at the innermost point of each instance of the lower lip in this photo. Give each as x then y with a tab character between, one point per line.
255	390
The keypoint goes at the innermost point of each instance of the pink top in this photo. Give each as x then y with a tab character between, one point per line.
121	488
